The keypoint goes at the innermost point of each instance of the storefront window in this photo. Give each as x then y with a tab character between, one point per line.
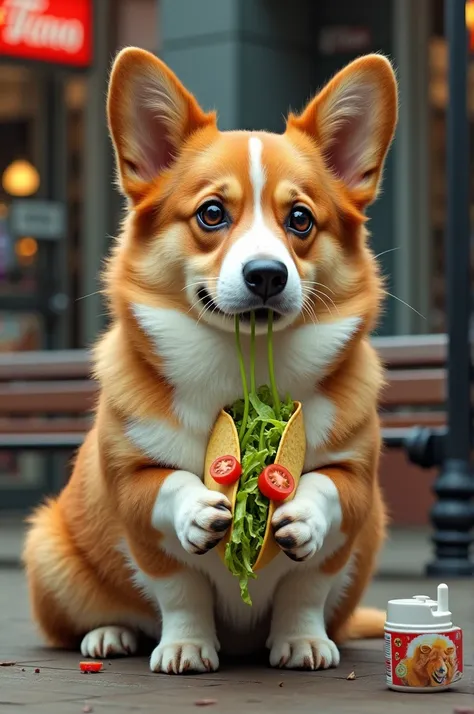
20	324
75	96
39	279
438	96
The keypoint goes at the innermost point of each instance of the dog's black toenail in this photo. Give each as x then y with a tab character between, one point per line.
282	524
286	542
197	549
212	543
220	525
294	557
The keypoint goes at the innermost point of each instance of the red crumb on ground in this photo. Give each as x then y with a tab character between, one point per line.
89	667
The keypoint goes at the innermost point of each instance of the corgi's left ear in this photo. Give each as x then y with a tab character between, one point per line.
353	120
150	116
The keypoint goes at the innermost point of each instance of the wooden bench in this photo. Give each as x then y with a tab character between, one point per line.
415	395
46	400
46	397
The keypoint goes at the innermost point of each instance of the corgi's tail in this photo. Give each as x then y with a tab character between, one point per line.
364	623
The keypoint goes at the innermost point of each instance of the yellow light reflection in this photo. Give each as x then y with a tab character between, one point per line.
21	178
26	247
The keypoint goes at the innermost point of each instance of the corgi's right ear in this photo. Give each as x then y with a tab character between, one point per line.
150	116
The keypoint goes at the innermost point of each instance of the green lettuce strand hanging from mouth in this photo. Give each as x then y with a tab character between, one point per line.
260	419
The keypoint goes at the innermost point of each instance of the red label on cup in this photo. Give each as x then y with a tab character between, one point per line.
424	660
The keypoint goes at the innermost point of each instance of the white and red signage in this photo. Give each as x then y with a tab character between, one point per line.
53	31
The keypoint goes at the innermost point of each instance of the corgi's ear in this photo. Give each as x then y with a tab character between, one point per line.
150	116
353	120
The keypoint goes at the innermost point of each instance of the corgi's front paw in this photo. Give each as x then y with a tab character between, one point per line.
183	657
109	641
202	520
300	529
304	653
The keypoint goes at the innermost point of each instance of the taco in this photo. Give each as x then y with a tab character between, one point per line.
255	457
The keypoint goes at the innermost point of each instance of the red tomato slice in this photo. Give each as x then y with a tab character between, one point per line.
90	666
225	470
276	482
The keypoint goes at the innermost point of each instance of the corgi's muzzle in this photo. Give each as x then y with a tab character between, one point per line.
262	287
212	308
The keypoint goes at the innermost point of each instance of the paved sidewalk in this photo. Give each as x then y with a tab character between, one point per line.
126	685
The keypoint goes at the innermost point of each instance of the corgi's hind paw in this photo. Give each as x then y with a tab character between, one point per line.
184	657
304	653
109	641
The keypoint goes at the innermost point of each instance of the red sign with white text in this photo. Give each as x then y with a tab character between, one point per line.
53	31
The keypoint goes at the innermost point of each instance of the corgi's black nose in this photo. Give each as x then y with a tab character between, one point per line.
265	278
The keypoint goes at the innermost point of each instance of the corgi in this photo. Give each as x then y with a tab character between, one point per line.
129	545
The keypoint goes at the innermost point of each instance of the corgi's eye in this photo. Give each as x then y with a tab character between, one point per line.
212	216
300	221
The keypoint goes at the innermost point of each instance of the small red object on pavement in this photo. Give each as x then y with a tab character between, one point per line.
90	666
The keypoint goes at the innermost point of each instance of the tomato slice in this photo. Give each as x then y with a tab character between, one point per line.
276	482
90	666
225	470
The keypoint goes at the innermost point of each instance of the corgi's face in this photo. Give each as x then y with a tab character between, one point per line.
225	223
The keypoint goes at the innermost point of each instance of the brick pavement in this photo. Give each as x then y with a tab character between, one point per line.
126	685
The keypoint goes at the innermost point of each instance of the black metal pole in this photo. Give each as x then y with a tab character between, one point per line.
453	513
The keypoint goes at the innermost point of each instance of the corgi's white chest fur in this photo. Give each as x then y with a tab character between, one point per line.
201	362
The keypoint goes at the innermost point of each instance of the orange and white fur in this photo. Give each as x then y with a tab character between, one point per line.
128	546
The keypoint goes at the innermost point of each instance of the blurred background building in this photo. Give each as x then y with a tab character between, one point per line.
250	59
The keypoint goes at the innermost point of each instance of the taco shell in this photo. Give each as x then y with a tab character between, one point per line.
224	441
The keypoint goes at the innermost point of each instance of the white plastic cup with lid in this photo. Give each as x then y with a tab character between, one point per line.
423	649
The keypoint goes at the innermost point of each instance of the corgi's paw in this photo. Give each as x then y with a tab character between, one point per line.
202	520
110	641
300	529
304	653
183	657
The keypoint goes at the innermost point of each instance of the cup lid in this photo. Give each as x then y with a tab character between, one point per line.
421	611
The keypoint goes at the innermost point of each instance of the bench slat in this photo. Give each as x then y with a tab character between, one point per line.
53	364
41	442
25	425
33	398
409	419
415	387
408	351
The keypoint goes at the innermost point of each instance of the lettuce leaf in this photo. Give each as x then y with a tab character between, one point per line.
259	445
260	419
